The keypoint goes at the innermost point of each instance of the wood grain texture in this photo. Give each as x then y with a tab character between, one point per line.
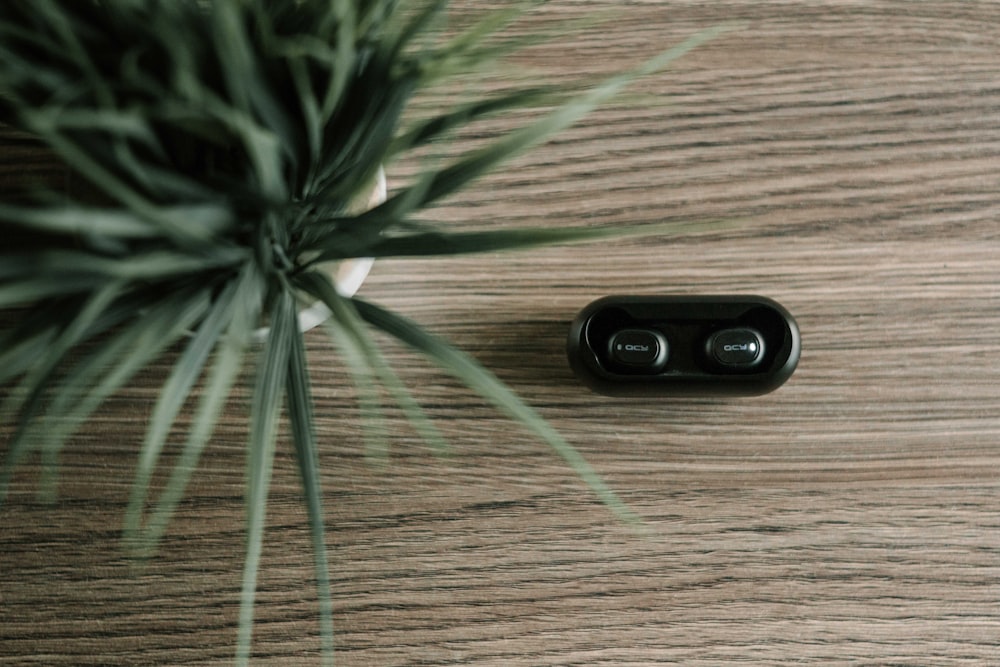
851	517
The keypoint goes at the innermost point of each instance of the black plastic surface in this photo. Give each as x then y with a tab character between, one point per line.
697	330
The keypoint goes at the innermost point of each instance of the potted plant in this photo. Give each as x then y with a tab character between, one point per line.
223	144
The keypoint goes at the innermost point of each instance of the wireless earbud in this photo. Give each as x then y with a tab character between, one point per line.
638	350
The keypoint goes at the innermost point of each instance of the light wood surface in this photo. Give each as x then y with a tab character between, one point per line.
853	516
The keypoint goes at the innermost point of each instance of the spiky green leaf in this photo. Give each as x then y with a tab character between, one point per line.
268	396
475	376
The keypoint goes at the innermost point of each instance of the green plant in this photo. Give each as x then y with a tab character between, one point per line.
222	143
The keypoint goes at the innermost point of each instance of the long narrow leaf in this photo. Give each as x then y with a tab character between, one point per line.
174	393
300	416
265	143
181	231
414	414
363	376
347	323
344	58
114	223
225	370
91	382
73	265
467	49
346	240
87	384
266	406
479	162
18	355
76	220
27	395
416	26
309	107
487	385
36	289
73	49
32	332
222	376
465	243
434	128
19	445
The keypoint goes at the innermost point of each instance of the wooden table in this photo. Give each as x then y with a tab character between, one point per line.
853	516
